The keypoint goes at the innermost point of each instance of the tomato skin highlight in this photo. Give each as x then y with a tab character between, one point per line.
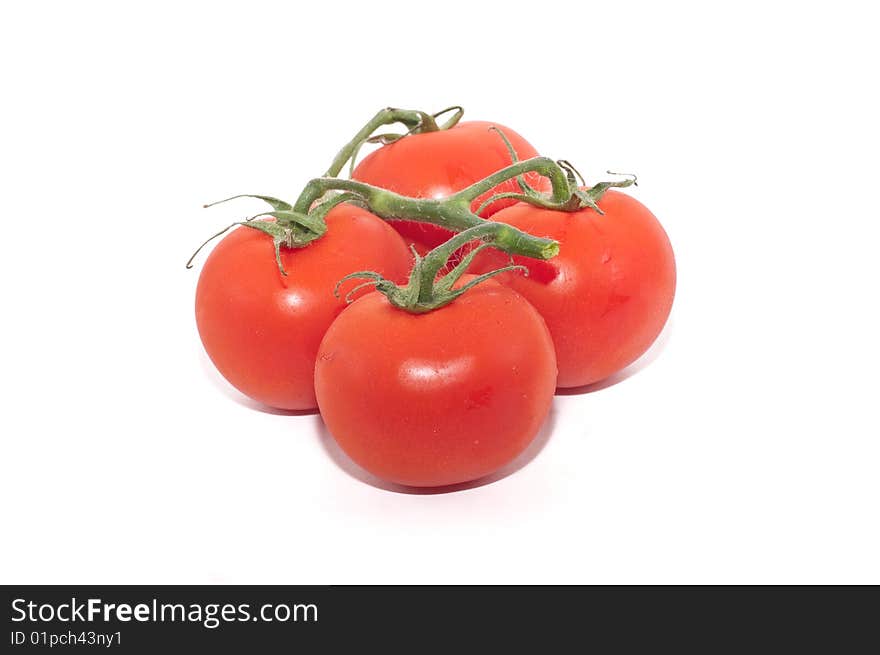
261	329
438	398
609	292
437	164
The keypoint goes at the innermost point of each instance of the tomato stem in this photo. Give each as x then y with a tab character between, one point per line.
299	224
290	228
560	189
425	291
498	235
453	213
416	122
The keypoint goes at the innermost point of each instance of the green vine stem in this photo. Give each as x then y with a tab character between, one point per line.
415	120
425	291
454	212
299	224
580	196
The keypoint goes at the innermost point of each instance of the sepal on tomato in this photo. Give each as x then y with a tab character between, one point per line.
426	289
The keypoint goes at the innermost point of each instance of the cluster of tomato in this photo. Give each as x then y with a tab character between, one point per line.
430	395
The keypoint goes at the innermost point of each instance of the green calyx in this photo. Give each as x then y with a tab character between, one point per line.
589	196
290	229
426	290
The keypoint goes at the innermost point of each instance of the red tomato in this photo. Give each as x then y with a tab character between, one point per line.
262	329
437	164
608	293
437	398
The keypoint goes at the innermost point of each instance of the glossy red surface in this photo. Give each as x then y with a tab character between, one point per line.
438	398
262	329
608	293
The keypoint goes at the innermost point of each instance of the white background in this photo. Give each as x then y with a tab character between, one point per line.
742	449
